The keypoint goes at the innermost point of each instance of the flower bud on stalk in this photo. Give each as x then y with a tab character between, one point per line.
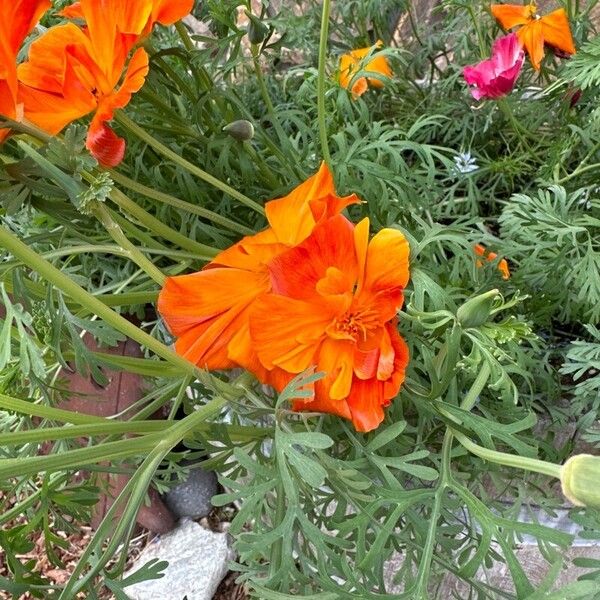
240	130
257	30
580	480
476	311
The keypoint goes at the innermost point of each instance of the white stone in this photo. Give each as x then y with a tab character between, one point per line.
197	561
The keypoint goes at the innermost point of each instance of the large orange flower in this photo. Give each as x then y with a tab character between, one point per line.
17	19
333	304
354	61
552	29
208	311
72	72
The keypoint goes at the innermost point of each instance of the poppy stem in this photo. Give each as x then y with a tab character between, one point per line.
205	213
116	233
321	81
143	135
510	460
65	284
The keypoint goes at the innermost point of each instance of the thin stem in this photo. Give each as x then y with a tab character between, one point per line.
579	171
509	460
143	135
158	227
89	302
116	233
149	192
321	82
264	92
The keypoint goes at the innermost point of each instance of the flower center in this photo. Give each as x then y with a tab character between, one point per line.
355	324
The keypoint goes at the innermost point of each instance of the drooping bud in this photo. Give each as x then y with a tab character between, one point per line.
240	130
580	480
476	311
257	30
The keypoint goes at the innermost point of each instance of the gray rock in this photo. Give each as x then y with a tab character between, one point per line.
191	498
197	561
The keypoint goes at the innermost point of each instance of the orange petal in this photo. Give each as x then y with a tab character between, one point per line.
532	39
511	15
168	12
353	62
556	31
73	11
17	19
387	261
297	271
287	332
491	257
336	360
206	309
293	217
401	358
366	404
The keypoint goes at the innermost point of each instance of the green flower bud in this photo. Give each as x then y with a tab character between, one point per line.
476	311
257	30
241	130
580	480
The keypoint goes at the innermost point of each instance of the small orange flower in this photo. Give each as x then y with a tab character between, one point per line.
17	19
208	311
552	29
491	257
333	304
72	72
353	62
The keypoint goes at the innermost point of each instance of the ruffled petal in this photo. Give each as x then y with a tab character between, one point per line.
297	271
287	332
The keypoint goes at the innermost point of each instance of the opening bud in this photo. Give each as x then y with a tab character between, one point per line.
240	130
580	480
476	311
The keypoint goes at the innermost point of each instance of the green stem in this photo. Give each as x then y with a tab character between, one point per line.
143	135
181	204
483	51
321	81
116	233
158	227
578	171
136	487
509	460
89	302
264	92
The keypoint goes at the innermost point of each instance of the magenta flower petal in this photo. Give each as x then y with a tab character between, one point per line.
495	77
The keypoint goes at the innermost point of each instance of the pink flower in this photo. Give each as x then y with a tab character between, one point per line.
496	76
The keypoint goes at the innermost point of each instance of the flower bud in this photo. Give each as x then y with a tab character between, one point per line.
580	480
257	30
476	311
240	130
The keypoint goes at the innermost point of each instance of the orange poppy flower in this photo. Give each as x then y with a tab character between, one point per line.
535	31
208	311
17	19
72	72
490	257
352	62
333	304
146	13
